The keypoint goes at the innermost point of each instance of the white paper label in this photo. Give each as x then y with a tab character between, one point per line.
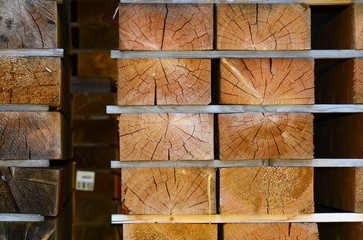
85	180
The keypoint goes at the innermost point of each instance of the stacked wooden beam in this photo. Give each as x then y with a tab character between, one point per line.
166	66
33	123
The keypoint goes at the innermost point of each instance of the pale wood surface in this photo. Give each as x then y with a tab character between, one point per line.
240	218
316	54
358	26
31	52
31	135
166	136
30	81
168	191
317	108
266	190
272	231
266	81
265	136
263	27
18	217
28	24
24	163
317	162
164	81
170	231
166	27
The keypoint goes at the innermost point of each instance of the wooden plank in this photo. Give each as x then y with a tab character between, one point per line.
266	81
24	163
166	27
317	162
89	105
164	81
238	218
57	228
34	190
219	109
168	191
36	21
31	52
166	137
32	80
310	2
92	85
271	231
32	135
23	107
266	190
213	54
265	136
171	231
263	27
17	217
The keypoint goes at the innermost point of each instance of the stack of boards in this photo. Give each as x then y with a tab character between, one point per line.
238	119
35	196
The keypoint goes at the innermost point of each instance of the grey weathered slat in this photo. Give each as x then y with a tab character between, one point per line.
310	2
24	163
317	108
319	162
31	52
251	218
23	107
315	54
17	217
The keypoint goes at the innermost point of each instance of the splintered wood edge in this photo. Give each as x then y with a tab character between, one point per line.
23	107
317	108
17	217
25	163
252	218
31	52
311	2
319	162
315	54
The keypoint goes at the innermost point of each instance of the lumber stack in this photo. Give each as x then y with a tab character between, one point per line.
33	123
94	33
194	60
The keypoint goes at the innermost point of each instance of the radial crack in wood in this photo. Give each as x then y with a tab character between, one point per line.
263	27
164	82
266	136
272	231
28	24
166	137
170	231
30	81
166	26
267	81
266	190
31	135
168	191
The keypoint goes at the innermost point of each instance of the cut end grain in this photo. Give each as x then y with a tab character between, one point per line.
166	137
287	231
266	136
28	24
166	26
266	190
30	81
167	191
164	81
267	81
170	231
263	27
30	135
